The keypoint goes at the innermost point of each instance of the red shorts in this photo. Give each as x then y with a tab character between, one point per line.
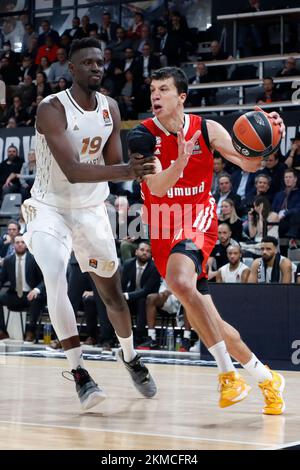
205	241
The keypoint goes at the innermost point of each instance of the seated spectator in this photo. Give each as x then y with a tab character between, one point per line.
219	167
108	28
7	241
242	183
59	69
289	70
271	267
18	111
42	86
161	300
26	176
65	43
11	123
28	67
145	38
229	216
120	44
62	85
134	31
47	32
196	97
75	28
109	78
218	73
28	35
287	204
32	110
44	66
293	156
225	192
260	216
218	257
139	279
127	98
12	164
261	188
48	50
27	91
270	94
234	271
275	169
10	71
168	47
26	290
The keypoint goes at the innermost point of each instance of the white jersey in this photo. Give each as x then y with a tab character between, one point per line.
232	276
88	132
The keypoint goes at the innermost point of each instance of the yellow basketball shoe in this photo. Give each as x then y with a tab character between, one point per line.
272	392
232	388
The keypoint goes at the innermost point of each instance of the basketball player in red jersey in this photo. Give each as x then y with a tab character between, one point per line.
181	214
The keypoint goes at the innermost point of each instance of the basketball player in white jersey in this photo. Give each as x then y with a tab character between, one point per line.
234	271
78	151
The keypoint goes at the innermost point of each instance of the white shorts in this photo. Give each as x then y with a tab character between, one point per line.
87	231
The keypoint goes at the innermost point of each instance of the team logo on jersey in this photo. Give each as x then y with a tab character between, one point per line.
157	152
197	148
158	140
106	118
93	263
75	128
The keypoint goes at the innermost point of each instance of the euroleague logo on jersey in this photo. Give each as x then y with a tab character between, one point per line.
197	148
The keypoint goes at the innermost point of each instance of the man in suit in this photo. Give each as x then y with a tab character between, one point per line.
168	47
108	29
143	67
226	192
26	287
140	278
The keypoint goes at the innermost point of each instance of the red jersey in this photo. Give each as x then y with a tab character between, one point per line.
187	211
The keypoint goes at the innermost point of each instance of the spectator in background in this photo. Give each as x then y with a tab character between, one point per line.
65	42
271	267
234	271
145	38
108	28
44	66
26	287
270	94
275	169
120	44
62	84
260	215
225	192
202	75
84	30
42	86
242	183
18	111
250	35
28	67
287	204
127	98
49	50
261	188
12	164
218	73
32	111
135	30
10	72
139	279
143	67
27	92
59	69
28	35
289	70
293	157
218	257
229	216
11	123
219	167
7	240
26	176
46	33
168	47
71	32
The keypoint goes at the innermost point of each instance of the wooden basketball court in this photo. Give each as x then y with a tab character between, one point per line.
40	410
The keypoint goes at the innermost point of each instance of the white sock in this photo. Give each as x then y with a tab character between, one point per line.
221	355
74	357
152	333
127	348
257	369
187	334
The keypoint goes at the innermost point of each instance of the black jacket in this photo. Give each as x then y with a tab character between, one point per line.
33	274
150	280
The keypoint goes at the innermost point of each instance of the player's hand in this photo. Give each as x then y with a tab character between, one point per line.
186	147
140	166
276	118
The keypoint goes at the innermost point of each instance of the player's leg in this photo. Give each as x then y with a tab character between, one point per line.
181	278
110	290
271	383
52	257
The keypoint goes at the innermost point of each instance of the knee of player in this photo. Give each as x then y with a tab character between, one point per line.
180	286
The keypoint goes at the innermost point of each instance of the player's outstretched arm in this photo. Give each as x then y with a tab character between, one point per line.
162	181
51	121
220	140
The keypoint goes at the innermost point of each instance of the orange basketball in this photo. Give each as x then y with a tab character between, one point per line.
254	134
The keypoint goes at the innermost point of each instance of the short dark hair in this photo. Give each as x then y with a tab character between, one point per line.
269	239
290	170
269	78
84	43
180	78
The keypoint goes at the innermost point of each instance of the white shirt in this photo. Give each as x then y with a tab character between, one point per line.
241	191
26	287
145	67
232	276
88	132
